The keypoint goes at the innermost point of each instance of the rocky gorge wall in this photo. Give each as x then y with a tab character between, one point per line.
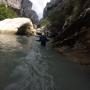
23	8
70	27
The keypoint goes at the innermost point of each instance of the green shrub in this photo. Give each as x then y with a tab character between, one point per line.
6	12
44	22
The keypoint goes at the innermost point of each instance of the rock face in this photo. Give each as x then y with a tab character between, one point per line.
26	8
50	6
26	11
70	24
21	26
23	8
16	4
34	17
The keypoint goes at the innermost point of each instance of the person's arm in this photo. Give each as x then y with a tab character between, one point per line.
39	38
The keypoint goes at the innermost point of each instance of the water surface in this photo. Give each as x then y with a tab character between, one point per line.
25	65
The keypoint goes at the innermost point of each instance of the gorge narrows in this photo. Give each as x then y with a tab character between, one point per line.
38	6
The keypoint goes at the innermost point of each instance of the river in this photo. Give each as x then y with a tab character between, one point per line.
25	65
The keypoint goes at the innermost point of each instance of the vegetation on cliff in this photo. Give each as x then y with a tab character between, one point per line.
6	12
44	23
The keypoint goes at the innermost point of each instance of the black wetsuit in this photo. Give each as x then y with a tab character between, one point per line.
43	40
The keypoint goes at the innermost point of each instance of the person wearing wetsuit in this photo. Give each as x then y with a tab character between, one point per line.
43	40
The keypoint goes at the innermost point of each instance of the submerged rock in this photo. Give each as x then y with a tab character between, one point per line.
21	26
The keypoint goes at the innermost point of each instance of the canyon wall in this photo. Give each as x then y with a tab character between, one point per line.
70	26
23	8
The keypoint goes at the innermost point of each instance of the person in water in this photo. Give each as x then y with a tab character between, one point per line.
43	39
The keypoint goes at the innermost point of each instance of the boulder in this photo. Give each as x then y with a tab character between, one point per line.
21	26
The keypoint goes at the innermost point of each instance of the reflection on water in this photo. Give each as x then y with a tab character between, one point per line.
10	43
21	66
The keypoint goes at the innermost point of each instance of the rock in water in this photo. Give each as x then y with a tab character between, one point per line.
21	26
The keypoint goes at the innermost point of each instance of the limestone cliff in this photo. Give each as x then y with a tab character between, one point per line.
70	25
26	11
22	7
13	3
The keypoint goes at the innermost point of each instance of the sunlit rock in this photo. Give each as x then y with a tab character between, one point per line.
21	26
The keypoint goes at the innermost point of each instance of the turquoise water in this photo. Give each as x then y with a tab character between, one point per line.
25	65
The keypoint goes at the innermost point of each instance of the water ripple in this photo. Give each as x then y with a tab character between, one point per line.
32	74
